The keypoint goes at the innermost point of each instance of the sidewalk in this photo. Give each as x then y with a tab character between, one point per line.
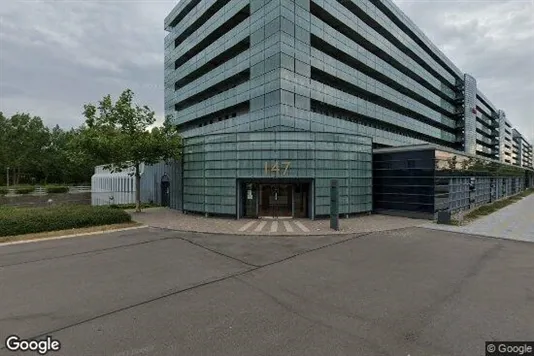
175	220
515	222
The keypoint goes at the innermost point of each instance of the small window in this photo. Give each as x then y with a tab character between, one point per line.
226	117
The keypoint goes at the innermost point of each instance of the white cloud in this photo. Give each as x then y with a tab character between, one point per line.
57	55
492	40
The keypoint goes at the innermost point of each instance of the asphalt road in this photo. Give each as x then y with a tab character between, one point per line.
156	292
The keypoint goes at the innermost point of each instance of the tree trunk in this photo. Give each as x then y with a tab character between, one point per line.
137	189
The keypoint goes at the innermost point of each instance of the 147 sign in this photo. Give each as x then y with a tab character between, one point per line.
277	168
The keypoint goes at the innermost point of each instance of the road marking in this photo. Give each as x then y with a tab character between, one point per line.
247	225
301	226
260	226
288	226
274	226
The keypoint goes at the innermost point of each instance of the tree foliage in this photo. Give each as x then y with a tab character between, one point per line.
119	133
462	165
37	154
115	133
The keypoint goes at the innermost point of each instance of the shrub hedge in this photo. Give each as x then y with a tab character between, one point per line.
18	221
24	190
57	189
3	191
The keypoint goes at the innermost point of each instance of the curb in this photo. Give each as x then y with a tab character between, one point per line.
255	235
340	234
72	235
478	235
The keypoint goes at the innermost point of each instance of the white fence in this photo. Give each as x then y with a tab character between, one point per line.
110	197
117	188
39	190
80	189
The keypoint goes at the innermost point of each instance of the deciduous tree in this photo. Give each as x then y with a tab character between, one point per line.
119	133
25	139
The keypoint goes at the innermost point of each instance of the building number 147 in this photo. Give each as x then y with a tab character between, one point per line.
277	168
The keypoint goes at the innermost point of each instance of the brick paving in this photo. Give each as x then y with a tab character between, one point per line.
175	220
515	222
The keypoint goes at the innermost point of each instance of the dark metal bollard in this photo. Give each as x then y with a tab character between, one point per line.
334	205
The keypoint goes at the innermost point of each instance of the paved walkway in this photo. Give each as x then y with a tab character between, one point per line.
175	220
515	222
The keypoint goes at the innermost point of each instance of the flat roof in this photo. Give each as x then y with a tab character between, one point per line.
429	146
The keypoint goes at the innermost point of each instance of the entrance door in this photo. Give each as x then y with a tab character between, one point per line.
165	193
276	200
301	200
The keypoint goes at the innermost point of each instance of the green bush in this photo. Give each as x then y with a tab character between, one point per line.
18	221
3	191
24	190
57	189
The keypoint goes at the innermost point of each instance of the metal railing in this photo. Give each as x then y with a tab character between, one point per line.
40	190
80	189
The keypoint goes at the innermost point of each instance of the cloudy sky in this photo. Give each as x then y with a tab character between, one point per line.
57	55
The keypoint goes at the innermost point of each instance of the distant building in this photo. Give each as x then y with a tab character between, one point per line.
109	188
521	150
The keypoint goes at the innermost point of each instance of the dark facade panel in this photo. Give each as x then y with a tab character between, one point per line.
422	182
404	181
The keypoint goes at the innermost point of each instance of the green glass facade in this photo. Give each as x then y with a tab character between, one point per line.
348	68
217	168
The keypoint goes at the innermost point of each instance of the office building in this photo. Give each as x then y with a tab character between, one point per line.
275	99
521	150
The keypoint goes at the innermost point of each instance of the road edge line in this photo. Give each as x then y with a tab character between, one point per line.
3	244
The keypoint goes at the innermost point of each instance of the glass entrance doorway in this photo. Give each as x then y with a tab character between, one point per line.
275	199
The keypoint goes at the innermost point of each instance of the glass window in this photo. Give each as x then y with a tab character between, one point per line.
287	62
302	68
272	63
288	26
288	97
272	98
302	35
272	27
